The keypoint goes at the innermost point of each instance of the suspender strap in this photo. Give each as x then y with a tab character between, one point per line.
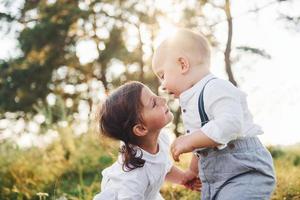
203	115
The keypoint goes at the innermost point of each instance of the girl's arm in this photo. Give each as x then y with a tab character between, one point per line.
188	179
175	175
194	164
178	176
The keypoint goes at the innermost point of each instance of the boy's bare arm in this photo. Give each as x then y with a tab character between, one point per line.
190	142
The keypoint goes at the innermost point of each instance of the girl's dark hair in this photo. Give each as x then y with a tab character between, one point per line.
120	112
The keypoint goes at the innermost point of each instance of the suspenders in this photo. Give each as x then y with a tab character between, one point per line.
203	115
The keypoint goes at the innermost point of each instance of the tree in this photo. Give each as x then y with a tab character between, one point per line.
52	31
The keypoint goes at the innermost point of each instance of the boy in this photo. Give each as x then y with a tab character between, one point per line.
220	131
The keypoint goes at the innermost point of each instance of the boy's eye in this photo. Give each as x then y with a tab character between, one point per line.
162	77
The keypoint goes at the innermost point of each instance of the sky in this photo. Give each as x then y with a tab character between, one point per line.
272	85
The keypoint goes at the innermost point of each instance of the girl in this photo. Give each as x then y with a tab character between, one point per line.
135	115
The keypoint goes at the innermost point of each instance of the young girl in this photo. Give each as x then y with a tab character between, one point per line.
135	115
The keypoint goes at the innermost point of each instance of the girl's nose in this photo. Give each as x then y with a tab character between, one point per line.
162	101
162	90
163	85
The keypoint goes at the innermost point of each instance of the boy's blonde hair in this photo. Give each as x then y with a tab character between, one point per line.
186	43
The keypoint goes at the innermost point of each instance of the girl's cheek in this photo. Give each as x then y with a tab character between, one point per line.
159	121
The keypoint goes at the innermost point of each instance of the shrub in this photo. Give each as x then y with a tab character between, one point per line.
276	152
296	160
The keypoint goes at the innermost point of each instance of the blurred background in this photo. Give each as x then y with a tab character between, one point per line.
60	58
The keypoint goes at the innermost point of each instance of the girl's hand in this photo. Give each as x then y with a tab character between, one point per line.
182	144
194	184
192	181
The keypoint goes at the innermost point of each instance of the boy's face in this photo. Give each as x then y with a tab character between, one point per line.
171	76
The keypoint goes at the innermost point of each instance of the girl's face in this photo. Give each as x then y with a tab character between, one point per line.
156	113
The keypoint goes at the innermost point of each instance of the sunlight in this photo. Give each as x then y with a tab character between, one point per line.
163	5
86	51
51	99
167	29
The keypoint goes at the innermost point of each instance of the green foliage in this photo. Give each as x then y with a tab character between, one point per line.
26	79
69	167
48	41
105	159
296	160
276	152
287	173
178	192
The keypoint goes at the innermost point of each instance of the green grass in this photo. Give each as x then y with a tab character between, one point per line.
287	173
71	167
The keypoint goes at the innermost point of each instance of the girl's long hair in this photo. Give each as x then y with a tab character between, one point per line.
118	115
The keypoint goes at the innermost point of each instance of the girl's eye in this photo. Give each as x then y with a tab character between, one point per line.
154	104
162	77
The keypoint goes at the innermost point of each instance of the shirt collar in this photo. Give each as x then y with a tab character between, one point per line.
186	95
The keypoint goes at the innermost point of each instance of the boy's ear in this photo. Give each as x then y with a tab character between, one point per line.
184	64
140	130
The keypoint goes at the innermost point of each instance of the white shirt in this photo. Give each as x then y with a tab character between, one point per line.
226	107
141	183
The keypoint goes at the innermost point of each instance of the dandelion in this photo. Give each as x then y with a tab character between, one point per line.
42	195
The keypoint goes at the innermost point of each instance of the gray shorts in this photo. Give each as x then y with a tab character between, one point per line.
241	171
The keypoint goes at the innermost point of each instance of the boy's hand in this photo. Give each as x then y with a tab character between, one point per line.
182	144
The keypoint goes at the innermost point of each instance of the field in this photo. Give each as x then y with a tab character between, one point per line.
70	168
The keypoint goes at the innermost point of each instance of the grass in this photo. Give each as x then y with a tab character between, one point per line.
70	168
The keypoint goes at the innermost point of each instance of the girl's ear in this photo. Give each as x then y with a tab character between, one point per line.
184	64
140	130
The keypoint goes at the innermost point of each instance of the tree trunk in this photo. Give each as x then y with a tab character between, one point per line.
141	62
228	45
100	60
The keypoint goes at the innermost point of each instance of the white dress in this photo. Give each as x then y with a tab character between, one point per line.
141	183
